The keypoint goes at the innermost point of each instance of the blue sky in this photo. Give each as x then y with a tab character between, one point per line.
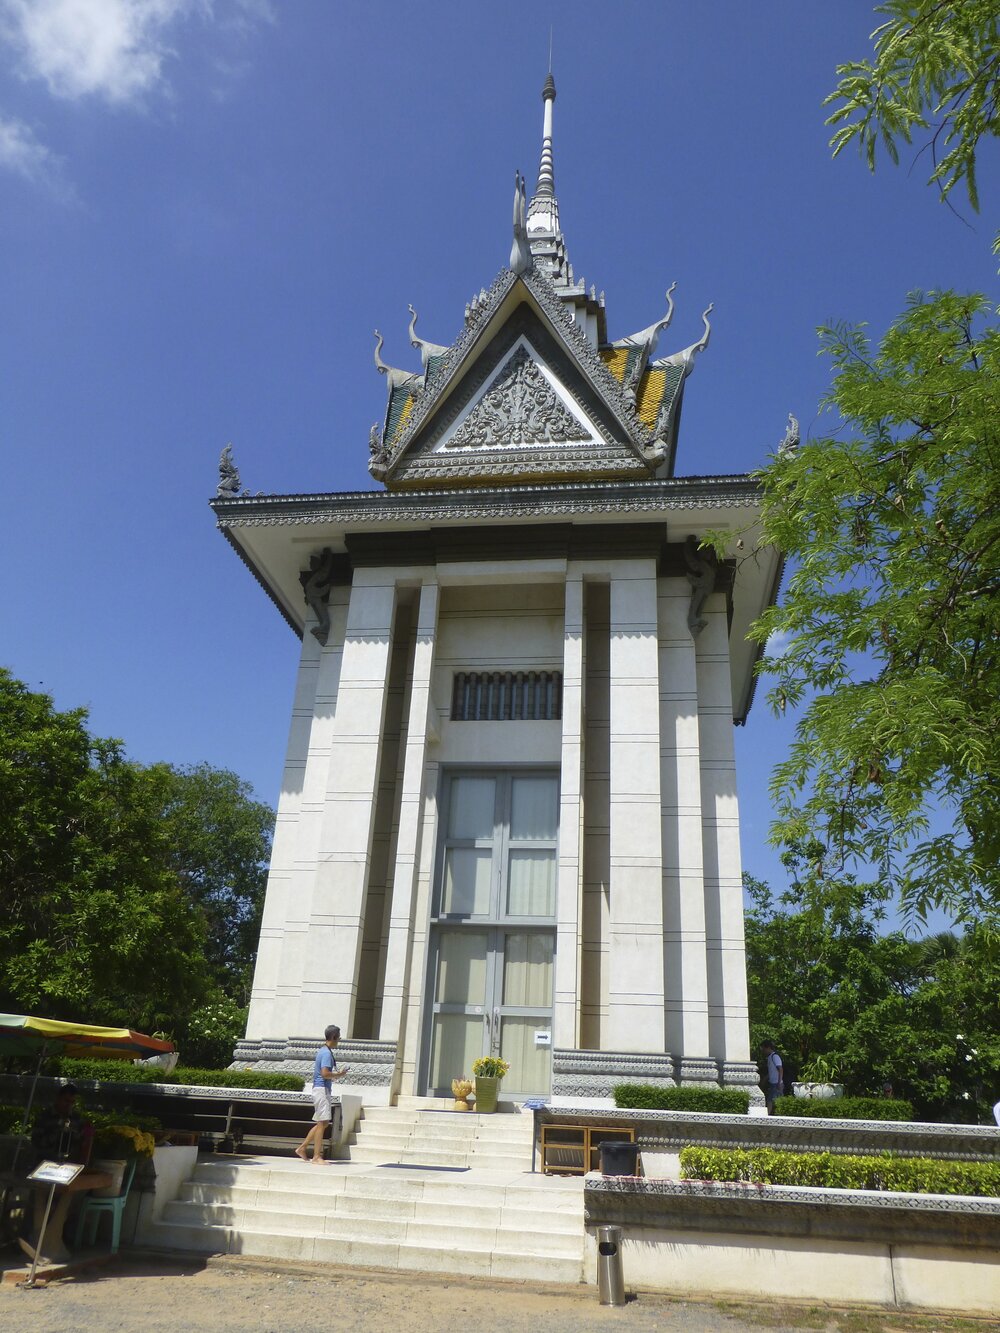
206	206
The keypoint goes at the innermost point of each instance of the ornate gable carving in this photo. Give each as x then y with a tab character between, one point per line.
519	407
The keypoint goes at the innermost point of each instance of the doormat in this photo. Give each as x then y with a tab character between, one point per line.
417	1166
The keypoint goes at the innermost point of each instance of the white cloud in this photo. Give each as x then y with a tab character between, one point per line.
23	153
778	643
111	49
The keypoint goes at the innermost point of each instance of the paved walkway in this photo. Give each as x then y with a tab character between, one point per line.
148	1294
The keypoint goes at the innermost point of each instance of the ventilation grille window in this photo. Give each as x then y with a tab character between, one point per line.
507	696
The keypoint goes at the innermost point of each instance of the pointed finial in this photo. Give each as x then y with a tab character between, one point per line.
520	252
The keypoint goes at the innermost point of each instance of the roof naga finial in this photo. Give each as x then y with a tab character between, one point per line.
398	379
520	252
790	441
686	359
649	336
229	475
426	349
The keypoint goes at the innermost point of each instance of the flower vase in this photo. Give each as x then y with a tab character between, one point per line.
115	1168
487	1092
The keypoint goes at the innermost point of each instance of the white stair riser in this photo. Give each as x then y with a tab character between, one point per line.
414	1258
550	1218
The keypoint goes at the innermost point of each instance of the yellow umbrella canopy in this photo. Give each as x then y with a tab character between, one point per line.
21	1034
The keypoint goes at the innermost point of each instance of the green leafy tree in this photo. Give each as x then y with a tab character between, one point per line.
923	1014
220	840
936	70
93	923
890	622
128	894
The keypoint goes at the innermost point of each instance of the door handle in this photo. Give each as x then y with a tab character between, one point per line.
489	1027
496	1031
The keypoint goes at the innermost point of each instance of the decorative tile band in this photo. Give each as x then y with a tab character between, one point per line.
372	1062
577	1073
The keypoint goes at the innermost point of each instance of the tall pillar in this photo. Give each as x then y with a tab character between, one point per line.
404	878
336	920
566	1017
277	986
687	1035
635	964
728	1017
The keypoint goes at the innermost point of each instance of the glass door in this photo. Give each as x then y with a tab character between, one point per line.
493	930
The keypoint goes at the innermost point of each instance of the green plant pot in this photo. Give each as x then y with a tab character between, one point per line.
487	1092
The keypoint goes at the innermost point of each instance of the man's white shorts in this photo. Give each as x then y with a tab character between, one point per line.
322	1109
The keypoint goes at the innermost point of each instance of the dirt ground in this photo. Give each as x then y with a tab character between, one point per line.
259	1296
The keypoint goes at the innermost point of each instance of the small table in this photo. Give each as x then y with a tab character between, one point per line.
55	1248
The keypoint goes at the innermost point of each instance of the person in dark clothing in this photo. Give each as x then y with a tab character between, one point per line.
60	1133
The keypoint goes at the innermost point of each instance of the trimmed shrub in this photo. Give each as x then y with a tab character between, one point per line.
11	1119
845	1108
123	1071
909	1175
238	1078
648	1097
113	1071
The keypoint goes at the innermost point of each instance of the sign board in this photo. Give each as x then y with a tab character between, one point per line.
543	1037
56	1173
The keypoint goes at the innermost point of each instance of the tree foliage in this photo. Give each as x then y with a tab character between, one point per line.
889	627
126	892
922	1014
936	69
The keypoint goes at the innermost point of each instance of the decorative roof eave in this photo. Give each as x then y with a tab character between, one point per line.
639	436
734	491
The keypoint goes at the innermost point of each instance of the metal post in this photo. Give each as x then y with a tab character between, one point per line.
30	1280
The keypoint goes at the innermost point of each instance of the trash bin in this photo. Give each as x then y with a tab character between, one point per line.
610	1279
619	1158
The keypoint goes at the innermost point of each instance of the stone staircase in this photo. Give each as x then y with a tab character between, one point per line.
423	1189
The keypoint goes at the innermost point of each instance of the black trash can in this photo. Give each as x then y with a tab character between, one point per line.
619	1158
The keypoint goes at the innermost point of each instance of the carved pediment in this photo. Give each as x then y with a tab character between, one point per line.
519	408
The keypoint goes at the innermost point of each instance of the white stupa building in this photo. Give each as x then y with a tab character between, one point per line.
508	822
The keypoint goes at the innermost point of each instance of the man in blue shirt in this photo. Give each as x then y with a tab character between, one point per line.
324	1072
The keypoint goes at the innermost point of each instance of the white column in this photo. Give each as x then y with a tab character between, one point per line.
277	985
683	872
727	977
404	879
566	1017
336	921
635	1002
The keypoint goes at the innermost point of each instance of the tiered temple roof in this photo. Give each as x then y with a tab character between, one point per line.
629	401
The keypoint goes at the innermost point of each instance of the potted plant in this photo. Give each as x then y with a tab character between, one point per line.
488	1071
818	1075
114	1147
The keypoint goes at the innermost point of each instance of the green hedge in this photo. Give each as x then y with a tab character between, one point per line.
845	1108
11	1119
647	1097
238	1078
910	1175
123	1071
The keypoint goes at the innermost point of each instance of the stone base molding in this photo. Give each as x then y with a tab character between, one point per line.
595	1073
699	1073
578	1073
372	1063
743	1074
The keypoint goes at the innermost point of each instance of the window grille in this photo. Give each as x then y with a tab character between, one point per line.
506	696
